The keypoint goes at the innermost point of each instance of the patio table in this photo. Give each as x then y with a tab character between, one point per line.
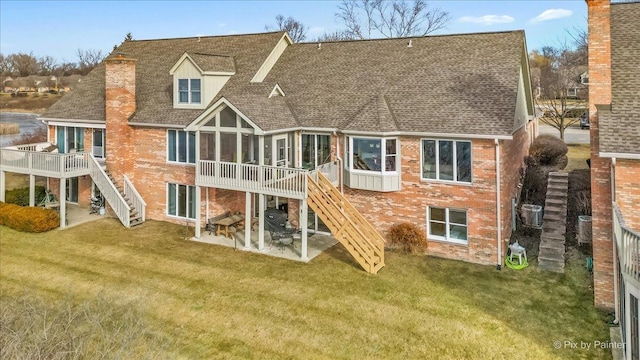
223	224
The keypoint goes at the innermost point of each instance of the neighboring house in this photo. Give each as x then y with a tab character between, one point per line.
579	86
419	130
614	47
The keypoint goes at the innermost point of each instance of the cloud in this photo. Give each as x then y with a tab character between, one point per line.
487	19
552	14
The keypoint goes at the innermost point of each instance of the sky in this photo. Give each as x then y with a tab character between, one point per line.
59	28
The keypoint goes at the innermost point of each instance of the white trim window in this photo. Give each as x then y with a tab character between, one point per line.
181	146
447	160
189	91
181	201
373	154
447	224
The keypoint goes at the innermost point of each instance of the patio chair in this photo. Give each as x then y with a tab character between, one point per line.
519	251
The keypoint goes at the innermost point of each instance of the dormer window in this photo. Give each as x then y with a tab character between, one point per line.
189	91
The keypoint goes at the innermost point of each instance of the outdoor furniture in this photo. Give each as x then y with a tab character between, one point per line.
212	222
224	224
519	251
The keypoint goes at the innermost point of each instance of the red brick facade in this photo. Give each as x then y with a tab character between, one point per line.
627	185
478	199
600	94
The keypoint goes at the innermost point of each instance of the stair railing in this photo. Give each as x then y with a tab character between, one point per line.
110	192
133	195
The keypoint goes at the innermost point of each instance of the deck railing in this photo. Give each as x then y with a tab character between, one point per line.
330	171
133	195
628	243
110	192
270	180
44	163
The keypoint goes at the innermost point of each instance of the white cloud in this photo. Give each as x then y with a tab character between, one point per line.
487	19
552	14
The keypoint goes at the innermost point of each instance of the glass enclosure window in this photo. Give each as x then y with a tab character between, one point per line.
227	118
69	139
208	146
181	201
446	160
268	140
98	143
316	150
228	147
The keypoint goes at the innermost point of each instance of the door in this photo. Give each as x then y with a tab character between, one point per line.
72	190
98	143
280	153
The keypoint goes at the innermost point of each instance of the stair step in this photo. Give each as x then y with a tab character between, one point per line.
559	174
550	244
551	253
551	265
554	202
553	186
555	215
552	237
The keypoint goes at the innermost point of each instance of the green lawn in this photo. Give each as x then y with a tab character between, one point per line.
195	300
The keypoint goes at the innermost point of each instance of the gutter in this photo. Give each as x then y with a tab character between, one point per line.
498	207
616	291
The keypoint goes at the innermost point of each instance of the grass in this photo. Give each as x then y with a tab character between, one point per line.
204	301
34	102
578	155
9	128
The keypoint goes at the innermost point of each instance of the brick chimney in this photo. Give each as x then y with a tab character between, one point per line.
600	94
120	104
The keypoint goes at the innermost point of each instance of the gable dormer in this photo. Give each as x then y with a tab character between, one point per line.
197	78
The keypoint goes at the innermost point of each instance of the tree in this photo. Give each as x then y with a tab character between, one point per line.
396	18
88	59
296	30
23	64
338	35
559	73
46	65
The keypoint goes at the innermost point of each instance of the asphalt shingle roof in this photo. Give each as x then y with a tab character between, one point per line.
452	84
214	62
465	84
154	85
620	129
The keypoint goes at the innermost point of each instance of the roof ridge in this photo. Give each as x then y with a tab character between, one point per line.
412	37
209	36
393	116
350	119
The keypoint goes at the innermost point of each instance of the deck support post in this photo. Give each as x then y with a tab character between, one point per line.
63	203
247	221
304	217
32	190
198	210
261	201
2	184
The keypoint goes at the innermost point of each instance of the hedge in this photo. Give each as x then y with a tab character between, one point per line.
28	219
21	196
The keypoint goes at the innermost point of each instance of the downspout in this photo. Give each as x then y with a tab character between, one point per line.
498	210
340	169
616	294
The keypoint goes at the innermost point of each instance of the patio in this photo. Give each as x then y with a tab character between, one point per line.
77	215
317	243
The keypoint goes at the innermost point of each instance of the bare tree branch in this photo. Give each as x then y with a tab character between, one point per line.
88	59
396	18
296	30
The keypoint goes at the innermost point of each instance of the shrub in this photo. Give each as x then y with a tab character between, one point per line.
28	219
548	150
21	196
408	237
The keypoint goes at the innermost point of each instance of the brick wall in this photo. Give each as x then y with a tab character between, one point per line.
410	204
120	104
600	94
627	187
512	169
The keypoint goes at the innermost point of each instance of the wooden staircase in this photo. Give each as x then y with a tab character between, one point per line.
347	225
135	217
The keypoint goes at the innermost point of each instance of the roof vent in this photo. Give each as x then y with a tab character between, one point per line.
319	46
409	44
